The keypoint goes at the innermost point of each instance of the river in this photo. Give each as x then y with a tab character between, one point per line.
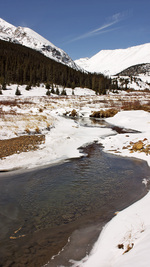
64	206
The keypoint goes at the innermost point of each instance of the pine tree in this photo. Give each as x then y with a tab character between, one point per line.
17	91
4	86
52	90
48	92
63	92
57	90
47	86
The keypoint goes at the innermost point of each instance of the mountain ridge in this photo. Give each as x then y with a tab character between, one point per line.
135	70
111	62
29	38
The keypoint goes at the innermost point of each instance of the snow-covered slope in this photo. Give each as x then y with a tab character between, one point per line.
111	62
30	38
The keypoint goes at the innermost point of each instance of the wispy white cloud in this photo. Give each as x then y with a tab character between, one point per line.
107	26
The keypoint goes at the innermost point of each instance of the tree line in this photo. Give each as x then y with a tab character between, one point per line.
22	65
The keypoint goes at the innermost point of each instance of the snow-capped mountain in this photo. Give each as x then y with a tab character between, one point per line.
29	38
111	62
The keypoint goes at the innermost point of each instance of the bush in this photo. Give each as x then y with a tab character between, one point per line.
104	113
73	113
37	130
28	87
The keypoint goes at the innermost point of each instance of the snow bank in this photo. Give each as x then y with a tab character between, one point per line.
138	120
125	240
129	229
61	143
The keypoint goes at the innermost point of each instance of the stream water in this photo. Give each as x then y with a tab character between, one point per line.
40	210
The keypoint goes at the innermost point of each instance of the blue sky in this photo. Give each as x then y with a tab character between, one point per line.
83	27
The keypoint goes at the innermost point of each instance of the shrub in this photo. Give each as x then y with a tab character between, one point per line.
27	130
73	113
104	113
37	130
28	87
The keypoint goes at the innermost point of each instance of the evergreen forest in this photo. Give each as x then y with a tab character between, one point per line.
22	65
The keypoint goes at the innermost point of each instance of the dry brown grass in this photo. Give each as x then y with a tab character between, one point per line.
104	113
139	146
135	105
14	102
20	144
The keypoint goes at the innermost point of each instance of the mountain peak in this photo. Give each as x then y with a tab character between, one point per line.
5	23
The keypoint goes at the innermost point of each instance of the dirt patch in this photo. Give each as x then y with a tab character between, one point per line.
20	144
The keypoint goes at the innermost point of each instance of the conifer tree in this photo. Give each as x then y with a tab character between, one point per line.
48	92
63	92
57	91
47	86
17	91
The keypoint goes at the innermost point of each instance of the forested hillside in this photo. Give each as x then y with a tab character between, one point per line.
22	65
136	70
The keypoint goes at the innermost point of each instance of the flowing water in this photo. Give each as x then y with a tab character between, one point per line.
41	210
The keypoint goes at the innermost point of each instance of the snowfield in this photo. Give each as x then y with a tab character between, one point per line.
125	240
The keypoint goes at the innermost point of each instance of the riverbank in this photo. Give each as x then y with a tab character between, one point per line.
124	241
30	114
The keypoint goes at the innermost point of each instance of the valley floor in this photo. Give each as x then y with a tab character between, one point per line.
125	239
